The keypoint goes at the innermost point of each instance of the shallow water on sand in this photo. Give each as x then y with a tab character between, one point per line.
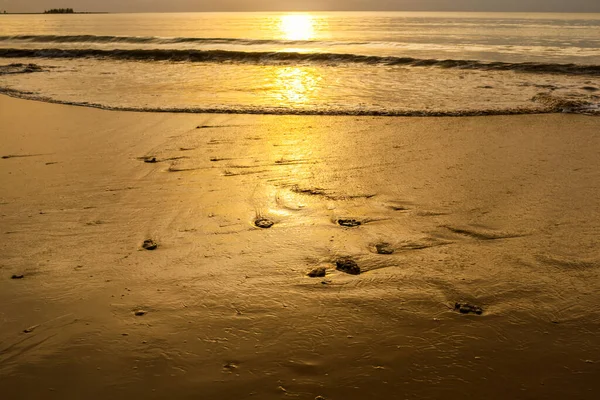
209	87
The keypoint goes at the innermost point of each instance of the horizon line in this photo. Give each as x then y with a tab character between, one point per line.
2	12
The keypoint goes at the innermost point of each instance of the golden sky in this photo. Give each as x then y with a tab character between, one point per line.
303	5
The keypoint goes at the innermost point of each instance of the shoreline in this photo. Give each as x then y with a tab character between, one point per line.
11	93
500	212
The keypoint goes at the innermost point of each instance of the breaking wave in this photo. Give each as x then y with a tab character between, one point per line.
154	40
544	104
269	58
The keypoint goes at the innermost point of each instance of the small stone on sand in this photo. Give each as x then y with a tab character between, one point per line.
318	272
150	160
348	266
17	276
263	223
384	248
465	308
149	244
139	313
230	367
350	223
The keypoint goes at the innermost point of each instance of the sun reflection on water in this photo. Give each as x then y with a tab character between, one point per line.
295	85
297	26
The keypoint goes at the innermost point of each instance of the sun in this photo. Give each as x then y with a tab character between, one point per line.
297	27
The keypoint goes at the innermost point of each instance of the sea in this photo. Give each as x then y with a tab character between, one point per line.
333	63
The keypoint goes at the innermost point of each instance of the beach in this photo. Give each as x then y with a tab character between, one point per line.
476	239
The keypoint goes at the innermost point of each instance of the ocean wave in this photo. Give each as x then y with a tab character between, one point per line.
541	104
566	105
157	40
19	68
270	58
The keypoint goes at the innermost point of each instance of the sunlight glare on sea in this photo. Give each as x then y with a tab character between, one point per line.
297	27
296	85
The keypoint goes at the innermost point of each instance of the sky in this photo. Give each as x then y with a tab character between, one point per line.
302	5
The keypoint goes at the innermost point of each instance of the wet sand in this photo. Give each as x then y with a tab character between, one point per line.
407	217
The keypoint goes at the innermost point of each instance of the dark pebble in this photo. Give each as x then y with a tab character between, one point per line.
384	248
465	308
150	160
263	223
230	367
149	244
318	272
350	223
348	266
140	313
17	277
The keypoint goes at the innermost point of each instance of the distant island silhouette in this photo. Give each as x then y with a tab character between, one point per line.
54	11
60	11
